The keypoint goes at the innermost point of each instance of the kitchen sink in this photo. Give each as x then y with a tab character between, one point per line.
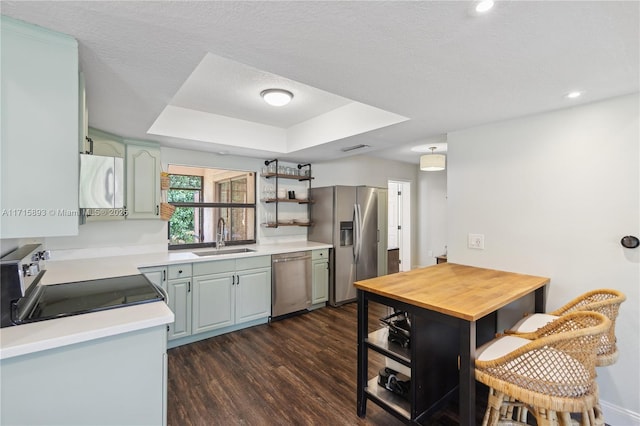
223	251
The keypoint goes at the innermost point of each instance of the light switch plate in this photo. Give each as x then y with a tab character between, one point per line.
476	241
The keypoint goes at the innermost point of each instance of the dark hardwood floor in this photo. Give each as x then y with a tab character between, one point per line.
297	371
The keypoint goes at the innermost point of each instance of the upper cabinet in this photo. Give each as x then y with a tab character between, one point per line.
143	180
40	132
106	144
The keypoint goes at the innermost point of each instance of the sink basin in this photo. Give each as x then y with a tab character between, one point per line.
223	251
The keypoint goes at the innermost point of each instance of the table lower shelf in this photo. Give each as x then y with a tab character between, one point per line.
387	399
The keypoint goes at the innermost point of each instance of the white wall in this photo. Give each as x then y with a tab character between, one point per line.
553	194
432	216
139	236
371	171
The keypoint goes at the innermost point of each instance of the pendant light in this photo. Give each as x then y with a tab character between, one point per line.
432	162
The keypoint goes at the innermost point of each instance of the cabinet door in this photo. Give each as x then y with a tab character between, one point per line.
213	301
253	294
320	280
180	303
143	182
106	144
157	275
39	150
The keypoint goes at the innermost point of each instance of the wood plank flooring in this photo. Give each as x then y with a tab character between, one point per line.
297	371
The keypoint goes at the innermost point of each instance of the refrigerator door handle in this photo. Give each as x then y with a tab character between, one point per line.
357	243
354	245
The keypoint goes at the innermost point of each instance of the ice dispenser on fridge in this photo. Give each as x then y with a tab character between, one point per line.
346	234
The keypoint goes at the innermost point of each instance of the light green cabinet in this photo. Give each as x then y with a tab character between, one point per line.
213	306
253	295
226	299
116	380
180	302
143	181
40	131
210	298
320	276
106	144
83	113
157	275
238	291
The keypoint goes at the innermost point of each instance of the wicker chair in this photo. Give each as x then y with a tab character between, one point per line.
549	373
605	301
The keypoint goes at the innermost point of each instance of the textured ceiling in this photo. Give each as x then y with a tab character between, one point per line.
432	62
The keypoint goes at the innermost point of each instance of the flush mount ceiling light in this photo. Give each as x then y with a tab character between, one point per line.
484	6
276	97
573	95
432	162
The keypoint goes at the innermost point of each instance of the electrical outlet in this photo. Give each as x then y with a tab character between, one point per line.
476	241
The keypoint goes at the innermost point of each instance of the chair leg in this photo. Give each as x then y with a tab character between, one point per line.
545	417
494	405
595	416
522	414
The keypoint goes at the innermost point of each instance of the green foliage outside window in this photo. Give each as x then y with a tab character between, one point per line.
203	196
183	221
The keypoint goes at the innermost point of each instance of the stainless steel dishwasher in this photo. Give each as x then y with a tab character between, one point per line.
290	283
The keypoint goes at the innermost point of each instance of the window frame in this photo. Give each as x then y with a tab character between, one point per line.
227	205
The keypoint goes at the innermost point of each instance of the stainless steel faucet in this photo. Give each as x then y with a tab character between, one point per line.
220	233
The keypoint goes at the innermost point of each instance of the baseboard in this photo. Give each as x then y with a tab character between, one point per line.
618	416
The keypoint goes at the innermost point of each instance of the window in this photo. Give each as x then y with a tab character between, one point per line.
211	203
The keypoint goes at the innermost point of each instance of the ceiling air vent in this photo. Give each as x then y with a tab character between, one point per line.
351	148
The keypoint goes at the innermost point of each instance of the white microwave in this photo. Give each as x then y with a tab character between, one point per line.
101	182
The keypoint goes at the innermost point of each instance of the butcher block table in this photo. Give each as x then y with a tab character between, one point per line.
452	309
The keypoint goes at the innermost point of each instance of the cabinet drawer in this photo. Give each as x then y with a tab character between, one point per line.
320	254
217	266
253	262
179	271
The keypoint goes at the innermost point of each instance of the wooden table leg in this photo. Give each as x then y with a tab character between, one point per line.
467	372
363	317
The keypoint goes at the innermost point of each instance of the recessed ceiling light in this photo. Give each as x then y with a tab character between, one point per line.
276	97
484	6
573	95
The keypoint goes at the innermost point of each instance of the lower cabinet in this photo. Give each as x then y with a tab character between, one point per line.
115	380
253	294
222	300
157	275
320	277
179	292
211	298
238	291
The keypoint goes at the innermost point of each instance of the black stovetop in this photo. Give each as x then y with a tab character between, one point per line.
61	300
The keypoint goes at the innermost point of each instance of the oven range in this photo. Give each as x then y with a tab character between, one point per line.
25	301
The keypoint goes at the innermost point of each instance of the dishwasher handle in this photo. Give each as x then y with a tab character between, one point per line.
289	259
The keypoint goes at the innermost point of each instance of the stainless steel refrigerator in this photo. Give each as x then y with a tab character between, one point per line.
347	218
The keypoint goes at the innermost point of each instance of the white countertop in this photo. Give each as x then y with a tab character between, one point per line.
39	336
113	266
